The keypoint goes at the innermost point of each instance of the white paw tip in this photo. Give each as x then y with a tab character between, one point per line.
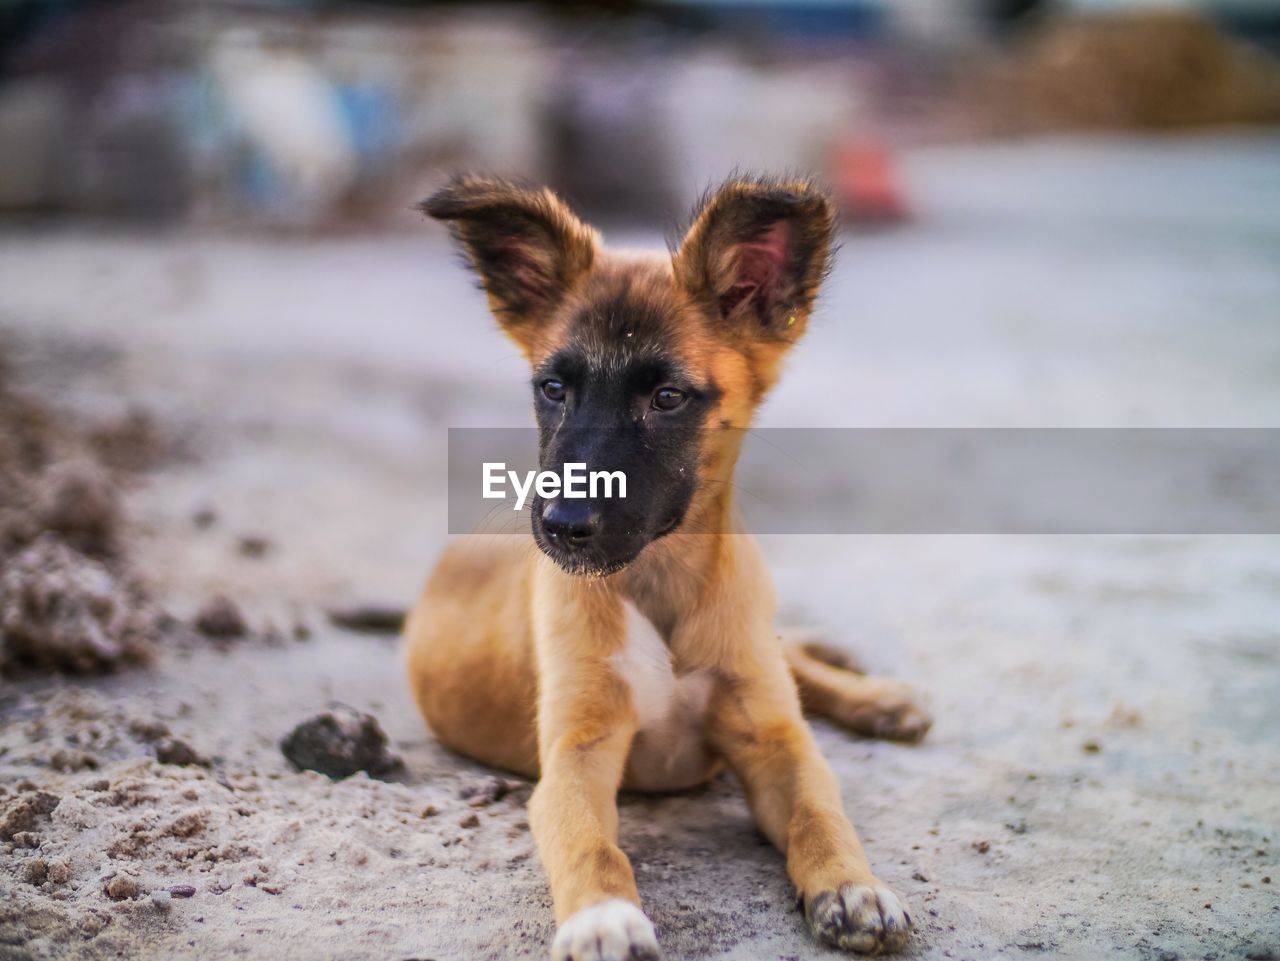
613	930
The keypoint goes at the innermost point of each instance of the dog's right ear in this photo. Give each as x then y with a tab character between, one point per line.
526	244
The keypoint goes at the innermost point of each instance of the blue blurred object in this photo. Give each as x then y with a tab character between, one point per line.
805	20
372	117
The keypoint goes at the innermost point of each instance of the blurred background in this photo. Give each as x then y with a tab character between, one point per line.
327	115
230	352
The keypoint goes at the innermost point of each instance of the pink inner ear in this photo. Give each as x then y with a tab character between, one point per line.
761	261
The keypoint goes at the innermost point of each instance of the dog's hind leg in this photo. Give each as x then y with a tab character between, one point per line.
831	686
470	655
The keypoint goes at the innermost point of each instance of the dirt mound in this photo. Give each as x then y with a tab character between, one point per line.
221	618
61	610
68	599
1162	70
21	815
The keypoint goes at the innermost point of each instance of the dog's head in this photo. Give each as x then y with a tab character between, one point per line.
649	365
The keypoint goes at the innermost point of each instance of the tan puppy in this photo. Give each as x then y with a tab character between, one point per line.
637	648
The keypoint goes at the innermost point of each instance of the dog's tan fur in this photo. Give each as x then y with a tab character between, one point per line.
524	667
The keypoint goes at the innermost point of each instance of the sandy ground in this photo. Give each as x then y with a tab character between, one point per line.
1104	774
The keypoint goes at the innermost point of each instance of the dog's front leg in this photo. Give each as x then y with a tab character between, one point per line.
586	724
758	727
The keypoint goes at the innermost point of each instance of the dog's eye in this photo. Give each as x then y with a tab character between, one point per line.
668	398
553	390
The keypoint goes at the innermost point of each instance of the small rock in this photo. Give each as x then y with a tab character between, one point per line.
70	761
122	887
204	518
368	618
162	899
171	750
430	811
982	847
340	742
253	545
188	824
182	891
920	876
1091	747
91	924
221	618
472	820
58	871
148	730
35	871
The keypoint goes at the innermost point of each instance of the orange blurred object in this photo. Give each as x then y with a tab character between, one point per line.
867	186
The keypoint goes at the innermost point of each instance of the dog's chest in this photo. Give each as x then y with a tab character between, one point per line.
670	750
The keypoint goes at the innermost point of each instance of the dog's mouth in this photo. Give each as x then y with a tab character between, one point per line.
584	567
584	563
597	563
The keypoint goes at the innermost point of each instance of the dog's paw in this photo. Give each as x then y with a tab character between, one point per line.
613	930
866	919
903	718
896	713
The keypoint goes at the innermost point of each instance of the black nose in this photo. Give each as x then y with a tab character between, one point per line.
570	522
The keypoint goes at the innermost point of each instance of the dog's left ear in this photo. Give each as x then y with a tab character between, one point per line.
756	255
525	243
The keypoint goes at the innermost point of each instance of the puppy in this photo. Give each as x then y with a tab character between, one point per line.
637	647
